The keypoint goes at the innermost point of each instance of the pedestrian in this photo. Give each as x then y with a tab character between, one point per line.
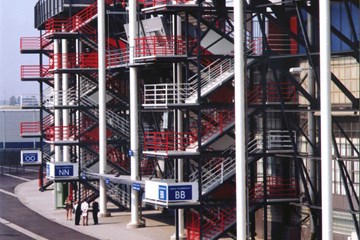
77	209
84	210
69	207
95	208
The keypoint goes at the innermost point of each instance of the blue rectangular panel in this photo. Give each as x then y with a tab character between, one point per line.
30	157
180	193
136	186
162	193
64	171
47	169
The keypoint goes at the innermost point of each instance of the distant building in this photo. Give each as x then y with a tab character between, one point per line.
11	118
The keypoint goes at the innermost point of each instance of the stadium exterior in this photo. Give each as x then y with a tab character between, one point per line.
139	99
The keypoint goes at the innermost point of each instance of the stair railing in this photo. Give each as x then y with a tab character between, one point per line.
61	133
35	43
280	140
217	221
35	71
118	194
220	121
30	128
112	118
213	73
162	94
54	98
166	141
87	87
215	171
29	100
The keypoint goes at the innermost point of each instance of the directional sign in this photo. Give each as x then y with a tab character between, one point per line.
83	176
179	192
162	192
30	157
136	186
48	170
131	153
169	192
64	171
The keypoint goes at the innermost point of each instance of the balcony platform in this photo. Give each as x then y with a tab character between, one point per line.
73	70
159	58
62	142
171	153
170	8
31	134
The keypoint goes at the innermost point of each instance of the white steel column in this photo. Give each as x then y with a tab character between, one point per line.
240	119
325	120
134	138
65	111
102	104
57	120
78	50
180	129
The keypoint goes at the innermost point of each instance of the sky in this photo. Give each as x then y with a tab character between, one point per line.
16	21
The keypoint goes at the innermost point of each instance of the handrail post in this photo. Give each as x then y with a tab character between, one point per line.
222	172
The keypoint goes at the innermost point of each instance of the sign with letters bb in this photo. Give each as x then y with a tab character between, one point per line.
167	192
180	192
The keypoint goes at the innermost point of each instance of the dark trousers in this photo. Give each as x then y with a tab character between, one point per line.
95	216
77	215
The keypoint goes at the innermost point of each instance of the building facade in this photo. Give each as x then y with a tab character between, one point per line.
140	96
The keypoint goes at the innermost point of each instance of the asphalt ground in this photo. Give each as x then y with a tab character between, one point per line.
18	221
27	213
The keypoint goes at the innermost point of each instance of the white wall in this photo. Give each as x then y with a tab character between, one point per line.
10	119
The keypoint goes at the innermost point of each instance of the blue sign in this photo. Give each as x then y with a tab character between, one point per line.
47	169
162	192
180	192
64	171
107	181
83	176
136	186
30	157
131	153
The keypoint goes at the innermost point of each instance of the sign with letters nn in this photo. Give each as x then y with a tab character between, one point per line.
62	170
30	157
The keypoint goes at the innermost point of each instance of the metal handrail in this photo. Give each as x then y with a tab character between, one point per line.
112	118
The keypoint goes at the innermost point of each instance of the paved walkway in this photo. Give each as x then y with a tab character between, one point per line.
158	225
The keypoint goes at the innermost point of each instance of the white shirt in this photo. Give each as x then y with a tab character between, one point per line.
84	207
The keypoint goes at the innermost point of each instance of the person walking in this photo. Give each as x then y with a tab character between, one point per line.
95	210
84	210
69	207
